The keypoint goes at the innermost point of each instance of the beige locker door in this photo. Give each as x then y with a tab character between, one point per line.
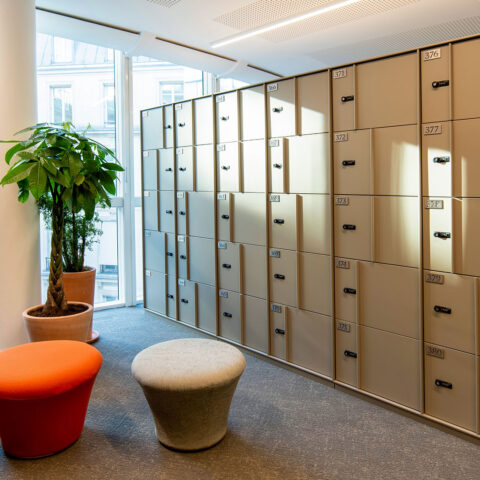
283	276
202	260
353	227
390	366
224	216
346	287
313	103
152	129
278	165
309	164
437	234
150	210
252	107
396	155
310	340
397	230
254	270
281	108
227	117
183	256
255	323
387	91
167	211
182	213
278	345
207	308
168	125
229	273
352	162
283	221
437	160
154	245
253	166
315	287
346	353
466	71
187	297
230	315
203	119
450	308
201	214
171	254
436	84
185	173
389	298
150	170
466	227
166	170
184	124
249	218
314	225
155	291
171	296
204	168
228	171
450	386
343	99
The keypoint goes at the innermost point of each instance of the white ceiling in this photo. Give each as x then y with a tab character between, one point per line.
366	29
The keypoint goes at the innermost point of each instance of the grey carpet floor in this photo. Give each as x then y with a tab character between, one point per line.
282	426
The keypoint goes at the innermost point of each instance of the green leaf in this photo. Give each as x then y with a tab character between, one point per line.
75	163
34	127
107	183
51	139
37	181
80	179
18	172
15	149
62	180
49	166
113	166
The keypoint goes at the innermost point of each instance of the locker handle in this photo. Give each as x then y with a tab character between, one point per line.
348	98
351	291
169	254
181	212
348	163
228	315
225	118
440	309
168	127
226	265
280	331
183	257
184	300
280	221
441	159
168	169
181	124
277	165
347	226
169	295
443	383
349	353
182	169
441	83
442	234
277	109
279	276
225	167
226	217
169	212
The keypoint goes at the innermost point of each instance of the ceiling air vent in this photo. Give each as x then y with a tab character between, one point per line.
164	3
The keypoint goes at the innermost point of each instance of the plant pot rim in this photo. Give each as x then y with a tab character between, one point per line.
26	313
86	269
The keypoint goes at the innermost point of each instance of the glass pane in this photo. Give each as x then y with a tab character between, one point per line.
229	84
138	253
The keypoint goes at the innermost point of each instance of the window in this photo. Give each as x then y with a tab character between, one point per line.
62	50
61	110
224	84
109	97
170	92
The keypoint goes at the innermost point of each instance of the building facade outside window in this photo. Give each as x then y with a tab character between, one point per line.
62	50
61	104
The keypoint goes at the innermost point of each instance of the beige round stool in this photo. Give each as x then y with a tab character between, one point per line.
189	385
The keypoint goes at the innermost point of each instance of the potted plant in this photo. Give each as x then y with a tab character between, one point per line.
76	173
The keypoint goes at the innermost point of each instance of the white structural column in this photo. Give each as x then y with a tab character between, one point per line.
19	231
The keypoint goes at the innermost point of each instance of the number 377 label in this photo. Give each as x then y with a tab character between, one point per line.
432	129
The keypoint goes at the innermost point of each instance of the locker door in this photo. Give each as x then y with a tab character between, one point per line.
227	117
309	164
185	174
187	309
253	165
390	366
224	216
397	230
155	291
450	386
202	260
184	124
171	254
167	211
346	353
230	315
352	162
229	273
314	225
249	218
150	210
252	107
168	125
283	221
152	129
315	288
166	169
201	214
346	289
203	118
182	213
283	276
204	168
387	92
436	84
343	99
466	227
228	172
281	108
183	256
207	308
313	103
155	251
150	170
278	165
255	323
254	270
278	346
353	228
171	296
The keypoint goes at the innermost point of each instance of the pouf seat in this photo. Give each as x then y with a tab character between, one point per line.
44	392
189	386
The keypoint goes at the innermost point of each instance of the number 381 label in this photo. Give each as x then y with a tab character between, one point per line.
432	129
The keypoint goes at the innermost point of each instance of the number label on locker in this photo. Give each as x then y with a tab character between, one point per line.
432	129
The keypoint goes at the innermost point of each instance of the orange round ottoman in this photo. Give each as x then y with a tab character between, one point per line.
44	392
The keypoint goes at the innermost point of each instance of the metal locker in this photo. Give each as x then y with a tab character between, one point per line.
202	260
152	128
253	166
314	225
168	125
185	173
397	230
281	108
278	345
390	366
183	256
150	170
150	210
436	84
187	301
229	268
171	254
207	308
224	216
309	164
346	289
353	227
171	296
228	170
278	165
315	286
310	340
203	120
184	124
450	307
254	270
201	214
252	108
204	168
155	251
283	276
167	211
227	117
346	352
166	169
313	103
387	92
343	99
283	221
230	315
249	218
352	162
155	291
450	386
466	232
182	213
255	323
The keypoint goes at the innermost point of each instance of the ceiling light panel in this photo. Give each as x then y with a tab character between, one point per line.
164	3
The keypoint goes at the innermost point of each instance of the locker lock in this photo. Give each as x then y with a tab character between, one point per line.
347	226
226	265
280	331
440	309
169	254
277	109
181	124
167	127
182	169
184	300
168	169
351	291
277	165
443	383
441	83
225	118
169	212
441	159
442	234
169	295
279	221
228	315
348	98
225	167
348	163
181	212
225	217
279	276
183	257
349	353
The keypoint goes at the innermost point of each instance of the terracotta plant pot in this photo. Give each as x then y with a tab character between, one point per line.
69	327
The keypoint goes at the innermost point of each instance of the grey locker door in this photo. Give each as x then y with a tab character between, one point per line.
184	124
187	301
185	169
171	296
227	117
155	251
313	103
252	113
155	291
152	129
346	352
202	260
166	169
252	161
167	211
278	344
343	99
230	315
168	126
255	323
207	308
171	254
201	214
150	170
150	210
249	217
203	119
183	256
204	168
